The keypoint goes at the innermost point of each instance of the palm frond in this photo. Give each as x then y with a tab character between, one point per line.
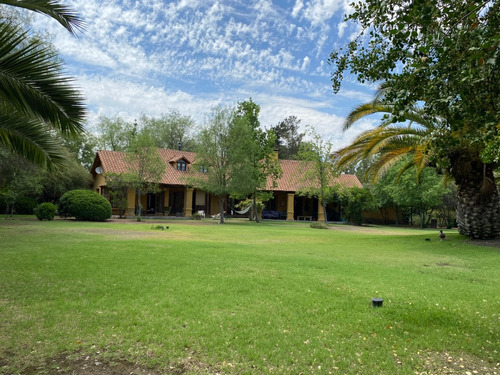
31	139
63	14
31	82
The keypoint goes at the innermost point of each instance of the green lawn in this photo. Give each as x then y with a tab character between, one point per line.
246	298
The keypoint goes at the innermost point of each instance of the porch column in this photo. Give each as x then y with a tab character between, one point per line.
130	202
188	202
321	213
289	206
166	198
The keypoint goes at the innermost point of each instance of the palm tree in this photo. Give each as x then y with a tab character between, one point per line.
478	213
36	100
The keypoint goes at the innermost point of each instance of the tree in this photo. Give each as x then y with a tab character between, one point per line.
69	176
288	137
83	148
422	195
170	130
18	178
444	55
146	167
36	99
318	169
222	150
118	185
378	149
260	152
114	133
355	200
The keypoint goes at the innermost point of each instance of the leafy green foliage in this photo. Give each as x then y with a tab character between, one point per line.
355	200
288	137
46	211
422	195
84	205
318	170
145	167
223	147
25	205
118	185
170	130
262	164
18	179
445	56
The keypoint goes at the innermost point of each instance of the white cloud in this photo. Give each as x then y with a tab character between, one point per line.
151	55
297	8
320	11
305	64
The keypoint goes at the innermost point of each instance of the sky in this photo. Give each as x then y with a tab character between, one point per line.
151	56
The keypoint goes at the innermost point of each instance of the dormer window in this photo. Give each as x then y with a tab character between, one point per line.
181	165
203	169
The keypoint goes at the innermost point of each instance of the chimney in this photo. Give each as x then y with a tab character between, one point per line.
179	145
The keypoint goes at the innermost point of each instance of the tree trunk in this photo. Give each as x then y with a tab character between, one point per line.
221	210
478	211
255	206
139	204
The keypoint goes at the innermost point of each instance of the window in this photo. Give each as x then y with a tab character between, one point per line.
181	165
203	169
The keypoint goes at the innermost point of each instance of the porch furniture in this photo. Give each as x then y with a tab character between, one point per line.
302	217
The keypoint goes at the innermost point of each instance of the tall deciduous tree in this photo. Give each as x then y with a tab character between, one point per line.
222	150
445	55
318	170
259	146
115	133
170	130
146	168
36	99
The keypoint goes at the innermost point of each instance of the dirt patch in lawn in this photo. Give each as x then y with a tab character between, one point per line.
65	364
492	243
443	363
76	364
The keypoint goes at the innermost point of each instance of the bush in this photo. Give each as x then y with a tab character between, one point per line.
319	225
25	206
84	205
22	206
46	211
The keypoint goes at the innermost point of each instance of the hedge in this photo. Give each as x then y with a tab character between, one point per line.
84	205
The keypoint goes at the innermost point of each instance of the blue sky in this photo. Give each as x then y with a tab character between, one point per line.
190	55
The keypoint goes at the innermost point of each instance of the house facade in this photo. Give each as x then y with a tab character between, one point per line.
177	198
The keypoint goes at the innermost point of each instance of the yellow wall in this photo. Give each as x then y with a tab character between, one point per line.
376	217
98	182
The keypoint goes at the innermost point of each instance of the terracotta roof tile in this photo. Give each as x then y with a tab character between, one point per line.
292	179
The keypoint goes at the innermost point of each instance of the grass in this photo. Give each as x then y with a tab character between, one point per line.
244	298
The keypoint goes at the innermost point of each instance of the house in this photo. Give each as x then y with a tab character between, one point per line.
179	199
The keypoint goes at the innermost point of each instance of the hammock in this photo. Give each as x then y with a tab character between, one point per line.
244	211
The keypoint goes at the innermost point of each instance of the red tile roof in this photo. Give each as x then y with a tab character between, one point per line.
291	180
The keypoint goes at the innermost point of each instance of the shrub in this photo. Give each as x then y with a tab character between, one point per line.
84	205
22	206
319	225
46	211
25	206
